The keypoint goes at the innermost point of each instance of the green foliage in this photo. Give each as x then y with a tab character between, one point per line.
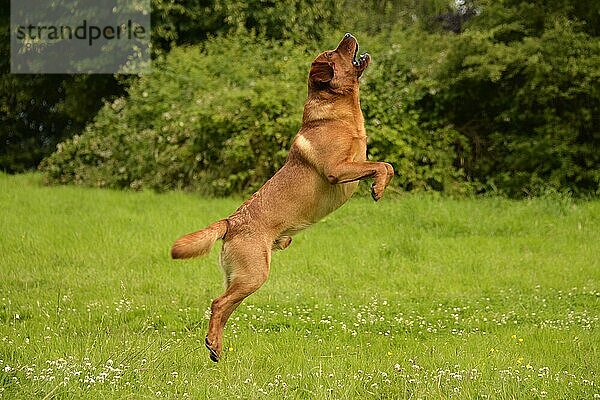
300	20
203	122
522	18
216	118
510	105
426	153
38	111
528	105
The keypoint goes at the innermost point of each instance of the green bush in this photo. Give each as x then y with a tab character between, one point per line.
215	118
528	104
219	119
426	153
509	105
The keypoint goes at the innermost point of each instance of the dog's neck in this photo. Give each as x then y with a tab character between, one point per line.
326	106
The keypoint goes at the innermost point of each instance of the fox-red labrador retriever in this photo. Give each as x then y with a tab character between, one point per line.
326	160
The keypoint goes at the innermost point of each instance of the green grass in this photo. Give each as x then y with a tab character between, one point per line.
412	297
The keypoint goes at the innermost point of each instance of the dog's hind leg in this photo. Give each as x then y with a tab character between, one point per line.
246	268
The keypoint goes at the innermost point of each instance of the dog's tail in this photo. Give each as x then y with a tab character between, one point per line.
199	243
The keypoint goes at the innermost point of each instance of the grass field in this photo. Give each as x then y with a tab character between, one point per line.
412	297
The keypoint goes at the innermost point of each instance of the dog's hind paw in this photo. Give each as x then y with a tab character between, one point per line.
214	356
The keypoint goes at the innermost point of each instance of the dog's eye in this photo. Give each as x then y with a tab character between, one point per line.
329	54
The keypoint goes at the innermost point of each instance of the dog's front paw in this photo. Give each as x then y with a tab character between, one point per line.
377	191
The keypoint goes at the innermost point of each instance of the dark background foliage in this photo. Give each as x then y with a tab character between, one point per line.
462	97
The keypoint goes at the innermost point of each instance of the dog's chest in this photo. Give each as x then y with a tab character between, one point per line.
336	196
359	148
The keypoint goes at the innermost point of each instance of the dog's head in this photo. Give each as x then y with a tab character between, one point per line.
338	70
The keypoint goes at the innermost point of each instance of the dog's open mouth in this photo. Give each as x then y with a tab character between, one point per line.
362	60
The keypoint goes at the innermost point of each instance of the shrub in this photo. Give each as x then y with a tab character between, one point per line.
214	118
504	105
219	118
528	105
426	152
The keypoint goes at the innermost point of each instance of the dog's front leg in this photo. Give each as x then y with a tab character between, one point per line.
348	171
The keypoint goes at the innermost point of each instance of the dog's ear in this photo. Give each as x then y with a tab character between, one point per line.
321	71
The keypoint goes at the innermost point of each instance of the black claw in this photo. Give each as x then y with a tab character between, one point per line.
213	354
